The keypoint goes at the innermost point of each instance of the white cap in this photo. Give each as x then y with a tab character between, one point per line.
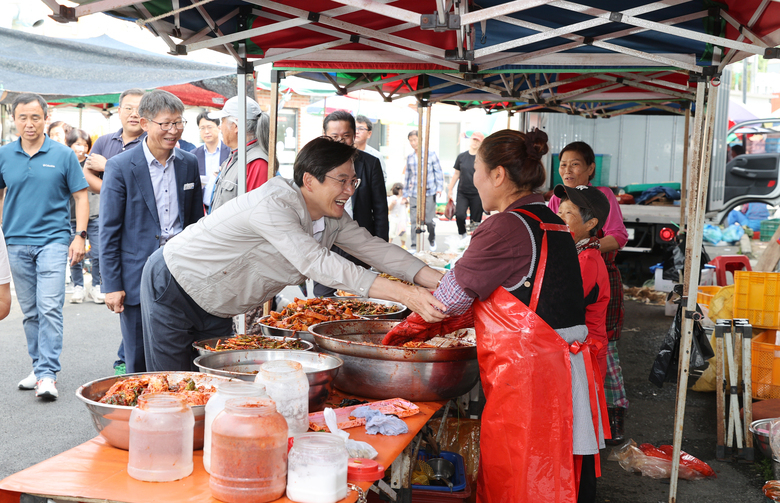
231	109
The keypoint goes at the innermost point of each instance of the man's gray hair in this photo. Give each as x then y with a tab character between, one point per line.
260	128
26	98
157	101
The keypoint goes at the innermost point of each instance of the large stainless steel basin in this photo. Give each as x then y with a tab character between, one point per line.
376	371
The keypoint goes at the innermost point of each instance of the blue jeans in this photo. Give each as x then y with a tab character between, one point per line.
93	235
39	279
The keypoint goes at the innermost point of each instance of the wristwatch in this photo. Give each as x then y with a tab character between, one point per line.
83	234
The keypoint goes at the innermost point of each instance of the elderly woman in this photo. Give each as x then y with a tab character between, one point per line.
519	271
578	167
250	248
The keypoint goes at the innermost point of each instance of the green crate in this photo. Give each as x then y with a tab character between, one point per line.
768	228
601	178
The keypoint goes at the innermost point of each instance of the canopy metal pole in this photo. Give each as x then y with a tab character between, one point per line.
699	182
424	202
683	186
273	115
420	204
242	127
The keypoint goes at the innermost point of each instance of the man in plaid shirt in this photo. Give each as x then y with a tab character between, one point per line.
435	185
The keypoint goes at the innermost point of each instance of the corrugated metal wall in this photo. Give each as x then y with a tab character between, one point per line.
644	149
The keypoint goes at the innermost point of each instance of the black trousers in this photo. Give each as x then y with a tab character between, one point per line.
471	202
587	493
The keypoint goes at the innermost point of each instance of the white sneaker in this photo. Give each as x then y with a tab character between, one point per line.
46	388
28	382
98	297
77	297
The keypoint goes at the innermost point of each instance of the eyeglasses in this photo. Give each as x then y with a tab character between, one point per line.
166	126
208	127
355	182
130	110
363	129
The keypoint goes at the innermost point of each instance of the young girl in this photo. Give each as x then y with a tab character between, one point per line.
396	205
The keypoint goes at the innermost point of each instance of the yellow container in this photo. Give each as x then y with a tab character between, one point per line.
757	298
765	373
705	294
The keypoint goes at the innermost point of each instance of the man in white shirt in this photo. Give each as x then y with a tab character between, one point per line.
211	154
362	134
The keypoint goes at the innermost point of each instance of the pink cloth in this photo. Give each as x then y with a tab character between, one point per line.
614	226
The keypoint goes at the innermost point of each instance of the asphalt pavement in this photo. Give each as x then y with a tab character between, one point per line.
32	429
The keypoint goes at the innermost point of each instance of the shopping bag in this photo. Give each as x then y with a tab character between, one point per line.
449	210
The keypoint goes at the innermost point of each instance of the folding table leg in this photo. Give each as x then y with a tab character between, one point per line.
735	426
746	330
720	384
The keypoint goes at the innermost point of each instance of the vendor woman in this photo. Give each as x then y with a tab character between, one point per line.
247	251
522	276
578	167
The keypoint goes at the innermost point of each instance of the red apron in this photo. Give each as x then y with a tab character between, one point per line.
526	434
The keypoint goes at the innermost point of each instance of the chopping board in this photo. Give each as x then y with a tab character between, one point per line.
394	406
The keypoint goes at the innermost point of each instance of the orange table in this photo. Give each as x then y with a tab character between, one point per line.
96	472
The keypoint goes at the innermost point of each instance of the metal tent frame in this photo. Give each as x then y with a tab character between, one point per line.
487	51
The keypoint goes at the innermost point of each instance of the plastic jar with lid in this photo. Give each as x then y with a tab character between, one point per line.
287	385
216	404
161	431
248	452
317	468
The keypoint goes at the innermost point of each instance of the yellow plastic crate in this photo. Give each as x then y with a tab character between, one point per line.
757	298
705	294
765	373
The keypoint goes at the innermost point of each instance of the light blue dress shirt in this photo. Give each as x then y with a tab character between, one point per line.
165	196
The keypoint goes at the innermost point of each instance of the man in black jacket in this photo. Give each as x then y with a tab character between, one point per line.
368	206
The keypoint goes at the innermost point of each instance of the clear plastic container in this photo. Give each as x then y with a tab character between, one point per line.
216	404
248	452
287	385
161	431
317	468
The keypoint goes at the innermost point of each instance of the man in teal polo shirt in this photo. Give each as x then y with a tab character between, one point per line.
37	178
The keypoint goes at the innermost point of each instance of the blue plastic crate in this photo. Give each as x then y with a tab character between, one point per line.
458	480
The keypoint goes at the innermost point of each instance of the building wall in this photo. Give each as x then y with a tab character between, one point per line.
644	149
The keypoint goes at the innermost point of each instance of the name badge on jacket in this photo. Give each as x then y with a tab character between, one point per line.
189	186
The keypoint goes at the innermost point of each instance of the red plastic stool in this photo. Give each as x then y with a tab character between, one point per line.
729	263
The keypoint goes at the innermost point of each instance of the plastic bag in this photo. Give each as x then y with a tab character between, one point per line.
355	449
656	462
666	362
712	234
449	210
379	423
732	233
772	490
415	329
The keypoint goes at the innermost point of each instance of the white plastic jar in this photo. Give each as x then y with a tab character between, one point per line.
287	385
161	431
317	468
216	404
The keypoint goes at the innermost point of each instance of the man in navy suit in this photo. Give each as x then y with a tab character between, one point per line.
211	154
149	195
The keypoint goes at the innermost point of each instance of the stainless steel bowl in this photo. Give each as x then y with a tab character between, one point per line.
306	336
320	368
202	351
375	371
113	421
402	312
760	430
283	332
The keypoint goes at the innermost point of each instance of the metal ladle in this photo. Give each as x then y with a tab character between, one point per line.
442	470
